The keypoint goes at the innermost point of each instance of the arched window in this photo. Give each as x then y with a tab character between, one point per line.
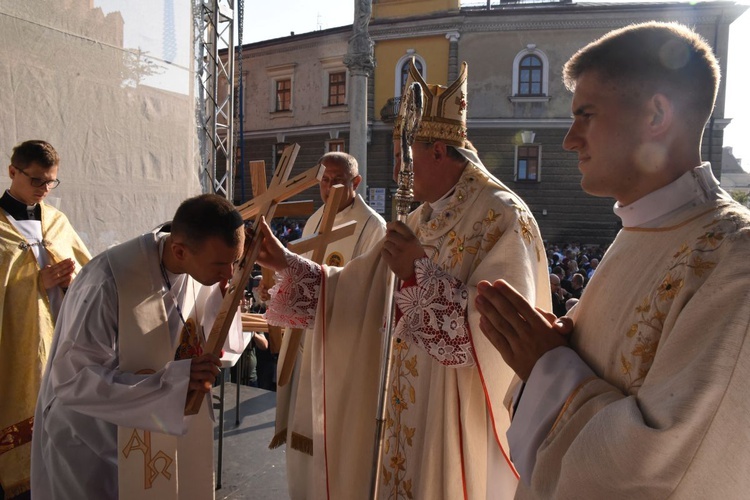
402	70
530	77
405	71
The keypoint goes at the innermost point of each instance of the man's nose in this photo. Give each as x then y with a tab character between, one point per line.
572	139
228	271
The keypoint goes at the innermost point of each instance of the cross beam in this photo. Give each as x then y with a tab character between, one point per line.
281	188
317	243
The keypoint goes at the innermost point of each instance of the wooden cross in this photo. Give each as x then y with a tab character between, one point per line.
281	188
258	177
283	209
317	243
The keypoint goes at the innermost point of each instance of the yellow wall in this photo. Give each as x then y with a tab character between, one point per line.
405	8
433	49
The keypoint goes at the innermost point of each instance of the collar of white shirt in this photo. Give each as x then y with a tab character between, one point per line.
693	188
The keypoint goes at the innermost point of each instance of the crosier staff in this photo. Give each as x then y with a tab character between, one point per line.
413	107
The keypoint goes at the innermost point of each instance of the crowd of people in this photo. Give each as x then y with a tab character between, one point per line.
571	267
514	361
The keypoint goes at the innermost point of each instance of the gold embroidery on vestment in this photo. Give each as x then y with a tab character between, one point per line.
398	435
151	468
690	258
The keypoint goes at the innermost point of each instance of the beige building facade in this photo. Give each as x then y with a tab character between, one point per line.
519	110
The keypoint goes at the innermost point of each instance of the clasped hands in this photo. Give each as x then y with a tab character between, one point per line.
60	274
521	333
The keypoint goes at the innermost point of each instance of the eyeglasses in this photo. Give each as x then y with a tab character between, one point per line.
37	182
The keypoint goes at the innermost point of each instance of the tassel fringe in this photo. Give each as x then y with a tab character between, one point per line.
17	489
278	440
302	443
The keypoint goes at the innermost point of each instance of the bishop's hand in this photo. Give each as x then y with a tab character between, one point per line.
400	249
272	253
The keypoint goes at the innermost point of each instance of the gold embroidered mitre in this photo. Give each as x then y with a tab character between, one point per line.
444	116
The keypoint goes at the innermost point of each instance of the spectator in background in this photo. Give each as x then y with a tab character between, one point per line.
570	303
558	295
577	282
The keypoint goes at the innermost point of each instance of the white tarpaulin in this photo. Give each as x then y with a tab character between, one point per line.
110	84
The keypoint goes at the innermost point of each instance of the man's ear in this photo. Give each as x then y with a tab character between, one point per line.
179	250
356	181
661	114
439	150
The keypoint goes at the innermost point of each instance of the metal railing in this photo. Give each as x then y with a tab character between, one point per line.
389	112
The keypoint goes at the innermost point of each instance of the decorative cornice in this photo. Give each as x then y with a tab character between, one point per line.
472	124
293	45
551	18
411	31
536	123
336	128
603	23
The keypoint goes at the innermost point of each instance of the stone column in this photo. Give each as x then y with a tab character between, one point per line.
452	37
360	61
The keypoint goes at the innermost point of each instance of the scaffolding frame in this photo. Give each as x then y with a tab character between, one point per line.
213	27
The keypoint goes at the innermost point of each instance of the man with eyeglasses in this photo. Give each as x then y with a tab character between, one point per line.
41	254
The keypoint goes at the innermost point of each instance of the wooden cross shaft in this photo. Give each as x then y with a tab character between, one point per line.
280	189
317	243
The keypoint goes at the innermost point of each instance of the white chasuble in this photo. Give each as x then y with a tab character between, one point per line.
445	428
664	326
294	418
153	465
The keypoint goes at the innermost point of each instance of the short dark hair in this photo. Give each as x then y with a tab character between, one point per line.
34	151
207	216
343	160
654	57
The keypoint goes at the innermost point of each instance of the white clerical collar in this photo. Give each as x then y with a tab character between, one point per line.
438	206
693	188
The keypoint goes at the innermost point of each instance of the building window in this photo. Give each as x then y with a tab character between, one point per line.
284	95
405	71
336	145
402	70
530	76
337	88
281	91
528	162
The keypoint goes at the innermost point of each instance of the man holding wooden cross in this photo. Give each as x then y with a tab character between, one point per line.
445	428
293	399
127	349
